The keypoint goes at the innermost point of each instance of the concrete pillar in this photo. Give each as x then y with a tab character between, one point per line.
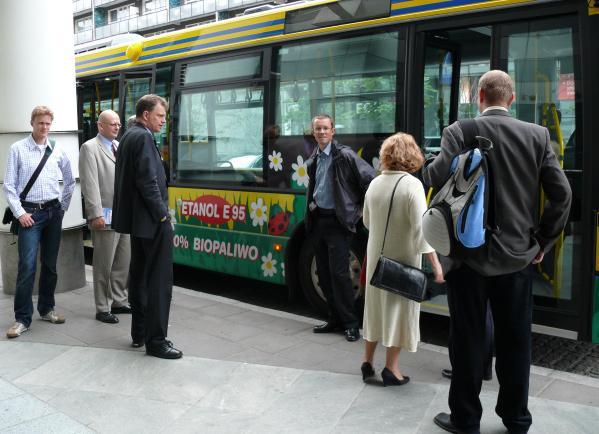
39	69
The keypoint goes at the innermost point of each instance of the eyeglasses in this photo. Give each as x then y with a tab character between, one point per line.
114	124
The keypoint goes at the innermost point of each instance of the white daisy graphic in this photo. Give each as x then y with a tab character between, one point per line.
269	265
300	172
276	162
258	212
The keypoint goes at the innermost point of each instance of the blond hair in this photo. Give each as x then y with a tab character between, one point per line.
41	110
400	152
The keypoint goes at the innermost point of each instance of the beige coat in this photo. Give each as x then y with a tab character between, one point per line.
389	318
96	171
112	251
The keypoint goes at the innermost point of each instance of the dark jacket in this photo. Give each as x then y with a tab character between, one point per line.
522	160
140	188
351	177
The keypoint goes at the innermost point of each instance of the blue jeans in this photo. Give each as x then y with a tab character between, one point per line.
45	233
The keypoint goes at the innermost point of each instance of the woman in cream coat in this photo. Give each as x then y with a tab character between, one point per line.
390	318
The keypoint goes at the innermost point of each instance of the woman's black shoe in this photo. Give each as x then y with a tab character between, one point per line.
389	379
367	371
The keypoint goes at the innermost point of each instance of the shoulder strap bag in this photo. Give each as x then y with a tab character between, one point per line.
8	215
396	277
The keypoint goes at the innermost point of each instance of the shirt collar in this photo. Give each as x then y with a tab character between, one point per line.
495	107
104	140
32	143
327	150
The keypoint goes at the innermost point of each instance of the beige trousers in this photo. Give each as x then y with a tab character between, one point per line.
112	254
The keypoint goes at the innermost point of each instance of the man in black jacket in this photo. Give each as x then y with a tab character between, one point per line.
338	182
140	208
522	160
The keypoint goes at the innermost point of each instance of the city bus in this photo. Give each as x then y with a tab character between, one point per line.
242	93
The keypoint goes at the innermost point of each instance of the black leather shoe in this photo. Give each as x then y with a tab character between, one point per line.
137	344
121	310
443	420
163	350
367	371
326	327
107	317
389	378
352	334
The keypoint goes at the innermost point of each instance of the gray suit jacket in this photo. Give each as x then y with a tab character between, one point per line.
96	171
522	160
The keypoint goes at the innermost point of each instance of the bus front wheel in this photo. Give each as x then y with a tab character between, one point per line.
309	278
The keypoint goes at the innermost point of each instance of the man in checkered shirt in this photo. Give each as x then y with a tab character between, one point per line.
39	216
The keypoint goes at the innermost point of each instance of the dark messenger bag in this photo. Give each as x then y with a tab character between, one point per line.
395	277
8	215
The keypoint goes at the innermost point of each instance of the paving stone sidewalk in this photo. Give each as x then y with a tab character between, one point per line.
245	369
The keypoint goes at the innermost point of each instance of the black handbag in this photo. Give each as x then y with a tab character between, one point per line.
8	215
395	277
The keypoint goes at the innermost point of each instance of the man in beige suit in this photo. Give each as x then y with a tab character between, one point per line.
112	251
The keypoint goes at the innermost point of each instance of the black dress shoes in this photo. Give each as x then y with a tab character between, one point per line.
121	310
389	378
443	420
326	327
163	350
367	371
352	334
107	317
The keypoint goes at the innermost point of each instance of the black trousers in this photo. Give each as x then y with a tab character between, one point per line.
510	299
151	285
332	244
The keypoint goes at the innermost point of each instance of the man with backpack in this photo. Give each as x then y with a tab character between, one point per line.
521	160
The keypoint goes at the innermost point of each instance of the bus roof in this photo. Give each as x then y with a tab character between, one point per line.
266	27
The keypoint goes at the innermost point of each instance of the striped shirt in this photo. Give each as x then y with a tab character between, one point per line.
23	159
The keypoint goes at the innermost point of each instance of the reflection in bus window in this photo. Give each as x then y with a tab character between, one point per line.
220	136
352	79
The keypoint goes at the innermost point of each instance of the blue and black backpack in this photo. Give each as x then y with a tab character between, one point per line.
458	215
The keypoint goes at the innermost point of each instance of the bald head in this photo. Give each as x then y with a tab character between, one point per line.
109	124
495	88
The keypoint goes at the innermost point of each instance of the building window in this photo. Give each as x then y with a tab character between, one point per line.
122	13
83	24
154	5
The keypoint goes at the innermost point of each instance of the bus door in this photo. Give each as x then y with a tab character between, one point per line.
94	96
134	85
542	58
441	75
451	63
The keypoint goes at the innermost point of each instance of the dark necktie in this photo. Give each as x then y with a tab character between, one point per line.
114	149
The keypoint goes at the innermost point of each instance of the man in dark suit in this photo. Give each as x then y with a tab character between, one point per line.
338	180
140	208
522	160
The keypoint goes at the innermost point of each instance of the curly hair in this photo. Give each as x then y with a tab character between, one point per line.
400	152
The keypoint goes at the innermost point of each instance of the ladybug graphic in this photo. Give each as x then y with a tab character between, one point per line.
278	223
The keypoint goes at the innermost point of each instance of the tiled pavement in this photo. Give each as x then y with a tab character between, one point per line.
245	369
